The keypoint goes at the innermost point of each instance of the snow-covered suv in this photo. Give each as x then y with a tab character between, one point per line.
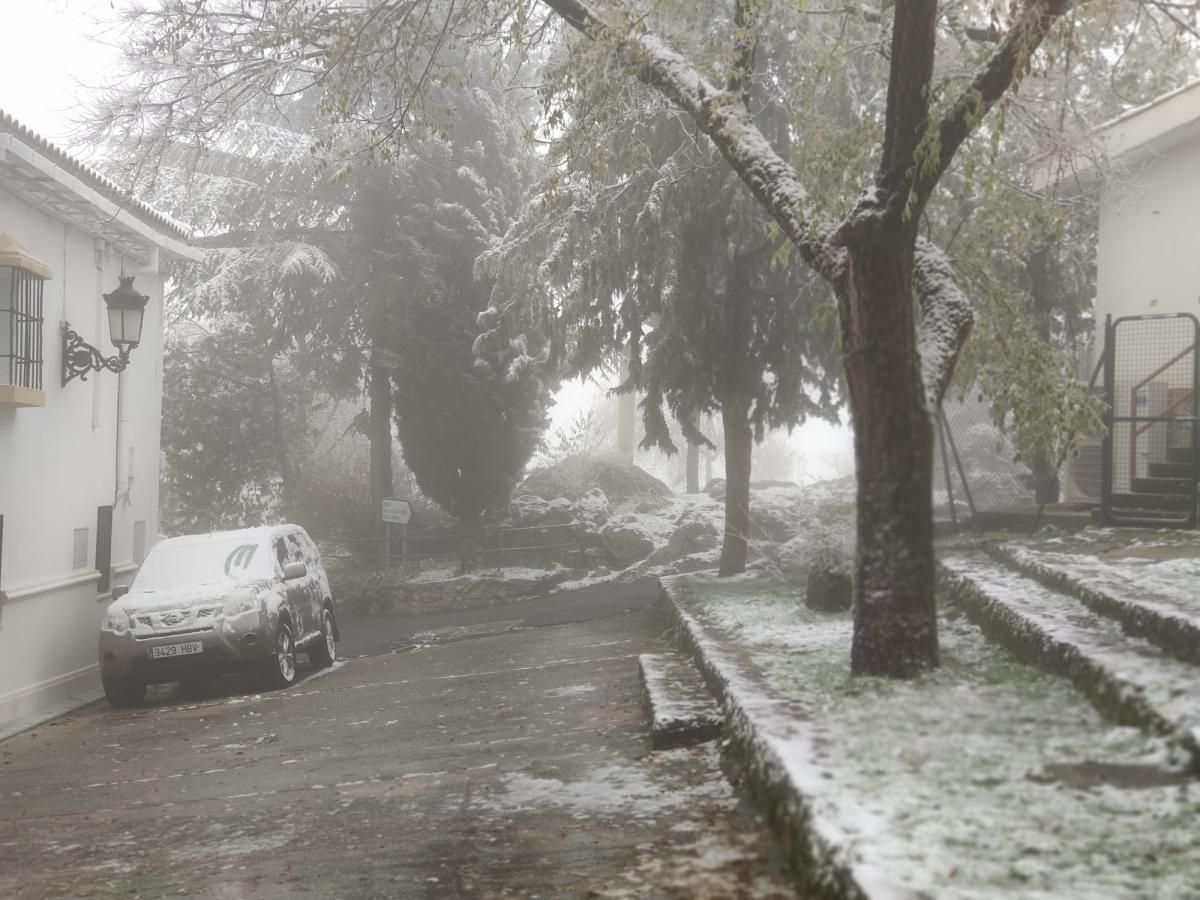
217	603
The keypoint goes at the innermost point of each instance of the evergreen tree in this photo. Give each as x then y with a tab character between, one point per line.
234	421
661	254
469	413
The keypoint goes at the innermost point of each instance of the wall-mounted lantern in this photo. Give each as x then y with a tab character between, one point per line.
126	311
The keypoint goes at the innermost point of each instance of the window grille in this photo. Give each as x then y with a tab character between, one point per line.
20	327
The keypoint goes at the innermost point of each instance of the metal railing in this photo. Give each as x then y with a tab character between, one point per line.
1133	405
1134	345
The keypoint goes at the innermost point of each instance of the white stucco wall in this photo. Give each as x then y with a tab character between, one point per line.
1149	253
58	464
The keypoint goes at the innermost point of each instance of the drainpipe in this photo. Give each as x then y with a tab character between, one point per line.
123	488
97	325
117	449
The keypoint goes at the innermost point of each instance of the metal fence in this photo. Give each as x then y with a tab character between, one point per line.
1152	371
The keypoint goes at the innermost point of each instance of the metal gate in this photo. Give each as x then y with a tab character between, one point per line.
1151	380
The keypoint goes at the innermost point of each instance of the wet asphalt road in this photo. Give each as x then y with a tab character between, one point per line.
497	753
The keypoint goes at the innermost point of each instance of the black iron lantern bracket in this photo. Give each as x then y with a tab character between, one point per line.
79	357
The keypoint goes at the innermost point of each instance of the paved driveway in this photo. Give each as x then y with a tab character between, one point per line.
482	757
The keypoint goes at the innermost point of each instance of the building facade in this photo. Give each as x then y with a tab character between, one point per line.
1144	470
79	458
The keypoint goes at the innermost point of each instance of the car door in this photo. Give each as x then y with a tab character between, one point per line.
303	592
293	588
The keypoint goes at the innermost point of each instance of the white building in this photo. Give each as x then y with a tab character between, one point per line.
1148	284
1150	212
79	462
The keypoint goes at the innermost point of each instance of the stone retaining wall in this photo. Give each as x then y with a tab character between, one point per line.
817	867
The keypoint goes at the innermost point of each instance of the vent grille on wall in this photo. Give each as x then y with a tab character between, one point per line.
104	516
79	549
139	542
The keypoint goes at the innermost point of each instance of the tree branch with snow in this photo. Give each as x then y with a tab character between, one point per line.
722	116
946	319
1004	70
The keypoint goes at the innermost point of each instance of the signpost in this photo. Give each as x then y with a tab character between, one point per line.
396	512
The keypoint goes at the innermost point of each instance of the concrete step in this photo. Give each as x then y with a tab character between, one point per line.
1128	679
1171	470
1151	502
682	711
1181	455
1182	486
1171	621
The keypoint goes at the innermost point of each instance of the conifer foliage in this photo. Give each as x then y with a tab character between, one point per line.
470	412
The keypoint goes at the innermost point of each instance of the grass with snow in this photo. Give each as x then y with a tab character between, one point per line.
970	776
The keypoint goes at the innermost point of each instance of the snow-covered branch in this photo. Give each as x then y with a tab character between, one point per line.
722	116
946	319
1004	69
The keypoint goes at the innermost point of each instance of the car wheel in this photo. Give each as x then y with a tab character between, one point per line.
123	693
323	651
281	667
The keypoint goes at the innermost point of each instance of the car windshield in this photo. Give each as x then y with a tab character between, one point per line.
221	558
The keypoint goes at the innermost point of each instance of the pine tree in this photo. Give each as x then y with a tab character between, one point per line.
469	413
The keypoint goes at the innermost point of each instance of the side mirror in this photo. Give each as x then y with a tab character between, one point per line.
120	591
294	570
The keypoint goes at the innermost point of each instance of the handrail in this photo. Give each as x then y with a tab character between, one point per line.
1174	359
1162	415
1133	394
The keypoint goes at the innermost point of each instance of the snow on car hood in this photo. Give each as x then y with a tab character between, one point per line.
189	596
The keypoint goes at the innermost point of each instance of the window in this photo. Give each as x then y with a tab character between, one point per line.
104	548
21	281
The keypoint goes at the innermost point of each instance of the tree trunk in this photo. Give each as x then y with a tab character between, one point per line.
736	397
693	467
626	417
287	490
380	434
471	525
739	442
895	615
1041	289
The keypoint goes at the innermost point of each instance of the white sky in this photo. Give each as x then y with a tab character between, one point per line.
49	48
55	49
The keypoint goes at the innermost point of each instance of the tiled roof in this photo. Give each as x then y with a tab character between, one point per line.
106	187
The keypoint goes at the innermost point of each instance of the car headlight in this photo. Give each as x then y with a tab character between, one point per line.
243	603
117	623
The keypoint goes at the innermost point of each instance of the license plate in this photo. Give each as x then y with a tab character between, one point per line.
168	650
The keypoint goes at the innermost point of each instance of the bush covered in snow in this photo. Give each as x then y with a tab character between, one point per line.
575	476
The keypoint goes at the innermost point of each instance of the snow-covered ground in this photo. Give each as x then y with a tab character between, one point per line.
1157	569
986	778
